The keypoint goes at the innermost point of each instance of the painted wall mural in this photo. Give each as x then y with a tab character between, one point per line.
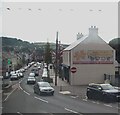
93	57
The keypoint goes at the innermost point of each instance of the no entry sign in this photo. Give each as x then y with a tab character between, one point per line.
73	69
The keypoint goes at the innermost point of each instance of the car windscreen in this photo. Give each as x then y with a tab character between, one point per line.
31	78
44	85
107	87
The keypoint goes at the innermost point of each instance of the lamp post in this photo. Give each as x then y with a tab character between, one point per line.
56	60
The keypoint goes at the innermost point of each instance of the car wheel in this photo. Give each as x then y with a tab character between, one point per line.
52	93
89	96
39	92
106	99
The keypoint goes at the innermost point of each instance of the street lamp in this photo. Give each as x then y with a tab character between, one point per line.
56	60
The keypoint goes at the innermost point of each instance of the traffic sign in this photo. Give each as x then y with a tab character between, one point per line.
73	69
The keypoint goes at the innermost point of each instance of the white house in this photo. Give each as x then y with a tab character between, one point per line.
92	57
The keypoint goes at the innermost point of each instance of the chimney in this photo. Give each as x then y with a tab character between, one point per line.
93	31
79	35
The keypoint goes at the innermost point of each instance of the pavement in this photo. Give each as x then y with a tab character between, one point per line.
65	88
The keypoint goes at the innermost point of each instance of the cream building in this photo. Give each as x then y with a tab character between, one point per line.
92	57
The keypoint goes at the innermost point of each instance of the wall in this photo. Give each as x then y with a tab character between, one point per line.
91	73
66	58
86	72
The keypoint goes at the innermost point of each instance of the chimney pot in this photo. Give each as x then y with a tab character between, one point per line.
79	36
93	30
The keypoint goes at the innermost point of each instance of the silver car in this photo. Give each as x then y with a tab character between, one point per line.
14	76
31	80
42	88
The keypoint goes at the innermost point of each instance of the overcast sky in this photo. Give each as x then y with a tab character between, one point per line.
39	22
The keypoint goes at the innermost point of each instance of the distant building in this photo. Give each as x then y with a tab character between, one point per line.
92	57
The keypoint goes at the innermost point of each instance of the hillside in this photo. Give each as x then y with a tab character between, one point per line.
18	45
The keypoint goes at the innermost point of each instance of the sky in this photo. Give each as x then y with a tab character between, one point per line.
39	21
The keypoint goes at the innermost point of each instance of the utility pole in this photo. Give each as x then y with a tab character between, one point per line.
56	60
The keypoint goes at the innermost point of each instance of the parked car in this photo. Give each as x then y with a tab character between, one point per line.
7	75
103	92
14	76
12	72
31	80
21	74
42	88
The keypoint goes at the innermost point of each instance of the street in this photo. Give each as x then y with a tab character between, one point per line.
23	100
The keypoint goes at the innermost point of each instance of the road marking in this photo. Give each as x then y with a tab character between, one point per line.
97	103
107	105
9	95
20	81
93	102
65	92
70	110
20	87
26	92
84	99
19	113
14	85
41	99
74	97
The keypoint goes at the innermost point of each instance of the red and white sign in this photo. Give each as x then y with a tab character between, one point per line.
73	69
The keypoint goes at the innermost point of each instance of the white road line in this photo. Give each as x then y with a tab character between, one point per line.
84	99
97	103
14	85
26	92
20	81
107	105
19	113
41	99
93	102
73	97
20	87
9	94
70	110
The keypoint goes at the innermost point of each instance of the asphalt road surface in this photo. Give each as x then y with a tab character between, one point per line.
23	100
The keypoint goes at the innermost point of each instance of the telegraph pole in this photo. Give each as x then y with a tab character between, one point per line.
56	60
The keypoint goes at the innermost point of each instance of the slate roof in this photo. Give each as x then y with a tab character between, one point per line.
74	44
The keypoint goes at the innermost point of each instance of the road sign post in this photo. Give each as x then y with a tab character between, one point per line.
73	70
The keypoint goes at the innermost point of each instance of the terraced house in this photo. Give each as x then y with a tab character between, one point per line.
91	57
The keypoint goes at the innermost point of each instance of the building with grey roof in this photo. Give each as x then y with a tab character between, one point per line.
88	59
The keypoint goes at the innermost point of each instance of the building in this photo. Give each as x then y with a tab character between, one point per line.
92	58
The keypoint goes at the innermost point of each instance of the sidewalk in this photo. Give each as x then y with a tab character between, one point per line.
65	88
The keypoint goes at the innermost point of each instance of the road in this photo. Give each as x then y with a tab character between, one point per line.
23	100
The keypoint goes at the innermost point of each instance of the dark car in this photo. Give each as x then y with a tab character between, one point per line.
43	88
36	71
103	92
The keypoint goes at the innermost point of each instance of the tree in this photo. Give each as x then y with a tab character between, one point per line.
48	54
115	44
48	57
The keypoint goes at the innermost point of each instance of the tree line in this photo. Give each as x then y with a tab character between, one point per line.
18	45
115	44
